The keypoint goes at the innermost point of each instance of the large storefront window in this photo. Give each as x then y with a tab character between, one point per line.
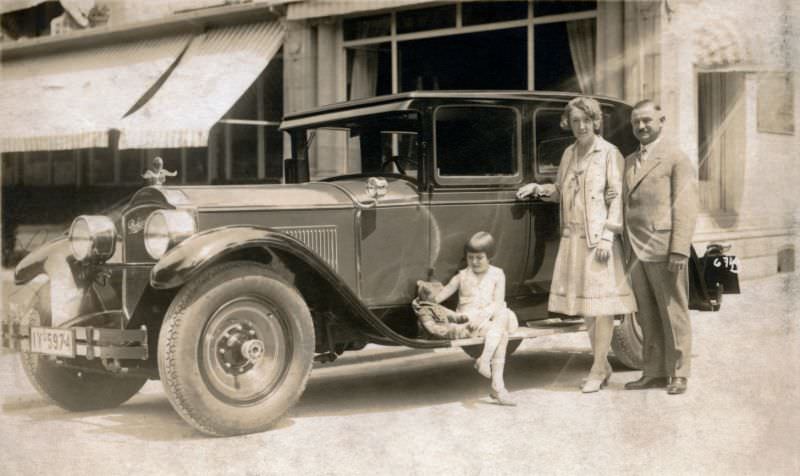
102	166
131	166
564	56
486	60
247	144
64	167
473	45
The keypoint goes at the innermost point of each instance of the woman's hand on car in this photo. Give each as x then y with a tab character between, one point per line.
528	190
535	190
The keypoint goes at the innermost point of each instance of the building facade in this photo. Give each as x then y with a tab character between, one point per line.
724	75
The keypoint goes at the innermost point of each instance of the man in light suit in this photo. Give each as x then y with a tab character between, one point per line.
660	209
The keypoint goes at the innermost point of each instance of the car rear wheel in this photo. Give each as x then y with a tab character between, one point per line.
69	387
627	342
235	349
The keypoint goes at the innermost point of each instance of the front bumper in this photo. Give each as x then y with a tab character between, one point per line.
88	342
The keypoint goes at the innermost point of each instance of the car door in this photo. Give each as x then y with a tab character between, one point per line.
477	168
392	234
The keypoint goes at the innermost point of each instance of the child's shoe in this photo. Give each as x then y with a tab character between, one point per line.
502	397
484	368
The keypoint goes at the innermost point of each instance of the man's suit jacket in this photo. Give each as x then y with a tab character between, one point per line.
659	204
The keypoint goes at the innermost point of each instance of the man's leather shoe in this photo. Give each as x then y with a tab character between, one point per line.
677	386
646	382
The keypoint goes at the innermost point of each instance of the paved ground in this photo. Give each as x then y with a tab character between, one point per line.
409	412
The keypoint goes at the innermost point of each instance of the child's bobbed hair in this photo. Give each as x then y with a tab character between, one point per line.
481	242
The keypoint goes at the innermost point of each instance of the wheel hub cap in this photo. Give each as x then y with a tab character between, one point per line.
246	350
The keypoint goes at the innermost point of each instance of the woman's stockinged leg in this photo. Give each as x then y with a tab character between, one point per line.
603	332
591	322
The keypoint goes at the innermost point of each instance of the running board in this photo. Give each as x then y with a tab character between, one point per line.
535	329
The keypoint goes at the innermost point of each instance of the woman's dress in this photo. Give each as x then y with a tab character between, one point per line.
582	285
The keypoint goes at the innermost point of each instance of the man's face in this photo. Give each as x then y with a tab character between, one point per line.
646	123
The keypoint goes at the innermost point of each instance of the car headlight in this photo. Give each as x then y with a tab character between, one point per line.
165	229
92	237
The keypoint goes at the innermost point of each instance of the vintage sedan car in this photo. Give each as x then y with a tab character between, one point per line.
228	294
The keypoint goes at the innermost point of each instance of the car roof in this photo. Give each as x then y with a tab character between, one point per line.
403	101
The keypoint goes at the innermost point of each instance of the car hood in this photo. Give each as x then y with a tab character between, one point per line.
339	194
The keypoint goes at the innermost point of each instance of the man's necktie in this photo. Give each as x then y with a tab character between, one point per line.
639	160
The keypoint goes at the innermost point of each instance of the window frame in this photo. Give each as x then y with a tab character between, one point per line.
461	180
393	38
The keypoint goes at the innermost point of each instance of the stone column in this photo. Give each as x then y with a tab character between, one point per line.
610	49
299	71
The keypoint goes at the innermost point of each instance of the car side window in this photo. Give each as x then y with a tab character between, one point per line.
550	141
476	142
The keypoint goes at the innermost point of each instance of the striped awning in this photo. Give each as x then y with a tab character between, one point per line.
210	77
323	8
71	100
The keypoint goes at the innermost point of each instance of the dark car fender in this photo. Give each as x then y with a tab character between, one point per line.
201	251
35	262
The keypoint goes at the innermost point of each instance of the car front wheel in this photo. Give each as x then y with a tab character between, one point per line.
235	349
70	387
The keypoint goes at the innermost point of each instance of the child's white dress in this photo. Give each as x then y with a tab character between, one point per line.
477	296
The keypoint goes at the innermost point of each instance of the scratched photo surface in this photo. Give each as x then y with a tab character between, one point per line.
371	237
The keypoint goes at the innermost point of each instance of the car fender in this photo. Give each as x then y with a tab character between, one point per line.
36	262
197	253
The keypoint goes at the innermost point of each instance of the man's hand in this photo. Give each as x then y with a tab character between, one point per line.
677	262
603	251
529	190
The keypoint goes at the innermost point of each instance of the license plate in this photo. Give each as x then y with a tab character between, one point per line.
45	340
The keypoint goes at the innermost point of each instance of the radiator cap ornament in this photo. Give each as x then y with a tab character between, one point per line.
158	174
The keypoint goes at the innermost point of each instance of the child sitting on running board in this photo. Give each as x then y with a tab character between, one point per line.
481	297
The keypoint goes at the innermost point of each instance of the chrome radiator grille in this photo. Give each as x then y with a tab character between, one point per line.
322	240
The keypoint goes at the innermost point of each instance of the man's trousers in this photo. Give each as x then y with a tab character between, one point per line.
663	300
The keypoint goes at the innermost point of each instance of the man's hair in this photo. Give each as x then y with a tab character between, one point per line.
647	102
588	106
481	242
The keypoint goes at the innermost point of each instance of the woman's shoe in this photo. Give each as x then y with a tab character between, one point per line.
502	397
594	383
609	371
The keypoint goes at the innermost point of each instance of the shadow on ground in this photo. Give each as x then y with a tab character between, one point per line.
403	380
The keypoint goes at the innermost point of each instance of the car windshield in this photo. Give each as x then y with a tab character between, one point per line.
385	145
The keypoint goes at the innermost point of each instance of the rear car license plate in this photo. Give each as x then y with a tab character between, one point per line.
45	340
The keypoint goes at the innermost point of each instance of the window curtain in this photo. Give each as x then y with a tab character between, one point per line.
364	73
582	34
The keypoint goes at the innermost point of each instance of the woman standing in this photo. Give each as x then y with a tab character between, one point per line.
589	278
